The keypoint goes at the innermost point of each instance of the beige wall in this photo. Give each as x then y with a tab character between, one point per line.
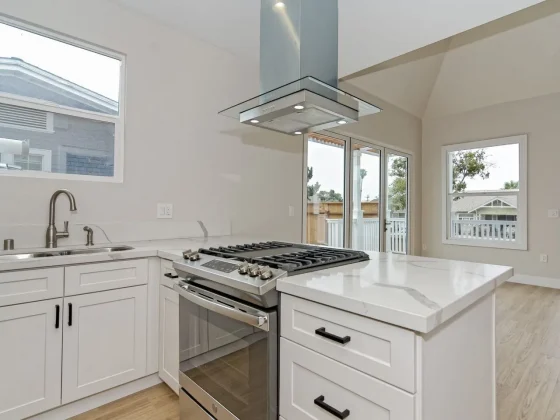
536	117
177	149
397	129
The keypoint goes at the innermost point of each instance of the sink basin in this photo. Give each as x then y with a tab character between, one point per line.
45	254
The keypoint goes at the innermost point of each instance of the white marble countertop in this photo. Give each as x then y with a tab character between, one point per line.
411	292
170	249
416	293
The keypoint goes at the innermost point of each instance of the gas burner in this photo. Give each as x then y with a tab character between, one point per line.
292	258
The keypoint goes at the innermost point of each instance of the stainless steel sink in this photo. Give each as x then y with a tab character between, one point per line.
27	256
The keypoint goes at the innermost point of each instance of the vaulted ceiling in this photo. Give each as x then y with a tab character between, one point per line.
514	58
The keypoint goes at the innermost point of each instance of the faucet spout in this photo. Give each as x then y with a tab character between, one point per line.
52	234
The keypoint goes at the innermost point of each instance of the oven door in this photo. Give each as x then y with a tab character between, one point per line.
230	366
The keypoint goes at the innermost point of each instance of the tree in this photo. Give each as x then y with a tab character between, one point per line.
330	196
397	188
311	189
469	165
363	174
511	185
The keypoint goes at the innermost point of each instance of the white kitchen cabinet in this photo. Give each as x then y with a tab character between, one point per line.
31	285
88	278
30	358
312	384
104	341
169	337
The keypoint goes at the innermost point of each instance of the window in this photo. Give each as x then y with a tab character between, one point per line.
485	193
61	100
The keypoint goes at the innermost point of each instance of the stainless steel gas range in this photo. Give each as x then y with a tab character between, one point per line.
229	325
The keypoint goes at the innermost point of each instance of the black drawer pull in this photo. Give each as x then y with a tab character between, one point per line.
320	401
69	314
323	333
171	276
57	320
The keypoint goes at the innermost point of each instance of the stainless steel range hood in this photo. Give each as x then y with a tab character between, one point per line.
299	71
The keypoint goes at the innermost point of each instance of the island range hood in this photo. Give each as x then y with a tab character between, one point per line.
299	71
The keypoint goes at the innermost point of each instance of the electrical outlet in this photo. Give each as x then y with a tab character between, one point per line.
544	258
165	211
424	247
291	211
553	213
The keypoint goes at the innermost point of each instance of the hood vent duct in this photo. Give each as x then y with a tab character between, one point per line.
299	71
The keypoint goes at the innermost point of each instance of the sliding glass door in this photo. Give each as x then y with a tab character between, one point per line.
396	204
356	195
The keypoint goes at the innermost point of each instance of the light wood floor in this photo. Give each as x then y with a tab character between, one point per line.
528	364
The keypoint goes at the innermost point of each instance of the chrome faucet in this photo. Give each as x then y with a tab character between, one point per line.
52	234
89	240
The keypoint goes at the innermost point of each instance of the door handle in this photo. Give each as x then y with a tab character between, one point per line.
323	333
69	314
320	401
171	276
57	317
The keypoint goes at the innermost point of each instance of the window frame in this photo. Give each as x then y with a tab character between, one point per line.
118	120
522	221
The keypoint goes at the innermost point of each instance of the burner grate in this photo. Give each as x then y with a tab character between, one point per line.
296	259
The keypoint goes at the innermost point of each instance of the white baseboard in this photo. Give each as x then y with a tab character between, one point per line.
97	400
536	281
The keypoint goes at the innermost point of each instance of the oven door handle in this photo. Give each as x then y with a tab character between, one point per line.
260	321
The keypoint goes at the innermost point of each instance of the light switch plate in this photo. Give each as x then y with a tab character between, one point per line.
165	211
544	258
553	213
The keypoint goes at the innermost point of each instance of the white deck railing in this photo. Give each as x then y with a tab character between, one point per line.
396	234
483	229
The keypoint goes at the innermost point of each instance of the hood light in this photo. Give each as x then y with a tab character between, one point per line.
279	4
299	107
341	122
255	121
297	133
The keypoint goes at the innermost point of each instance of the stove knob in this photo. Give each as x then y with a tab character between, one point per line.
254	270
195	256
187	254
243	268
266	273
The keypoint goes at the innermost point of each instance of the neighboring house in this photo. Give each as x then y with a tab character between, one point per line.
485	208
58	143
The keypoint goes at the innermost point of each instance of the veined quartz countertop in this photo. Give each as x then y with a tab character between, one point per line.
170	249
411	292
416	293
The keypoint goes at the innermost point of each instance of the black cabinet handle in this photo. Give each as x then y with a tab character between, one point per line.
320	401
57	318
171	276
323	333
69	314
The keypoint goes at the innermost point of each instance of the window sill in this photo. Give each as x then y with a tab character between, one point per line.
519	246
51	175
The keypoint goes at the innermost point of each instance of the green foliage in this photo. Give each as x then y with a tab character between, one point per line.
397	188
330	196
511	185
324	196
469	165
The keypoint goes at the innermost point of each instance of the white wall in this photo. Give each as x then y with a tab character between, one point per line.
177	149
381	30
399	130
538	118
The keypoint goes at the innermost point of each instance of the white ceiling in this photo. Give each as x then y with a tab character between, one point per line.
473	70
232	25
370	31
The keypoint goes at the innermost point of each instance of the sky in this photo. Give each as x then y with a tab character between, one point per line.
505	167
93	71
328	169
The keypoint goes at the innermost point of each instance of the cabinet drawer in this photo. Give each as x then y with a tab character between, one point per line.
31	285
311	384
168	275
89	278
378	349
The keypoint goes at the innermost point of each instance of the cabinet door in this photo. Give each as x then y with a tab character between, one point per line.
169	337
30	358
104	341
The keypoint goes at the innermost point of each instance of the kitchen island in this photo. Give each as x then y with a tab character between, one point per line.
396	338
